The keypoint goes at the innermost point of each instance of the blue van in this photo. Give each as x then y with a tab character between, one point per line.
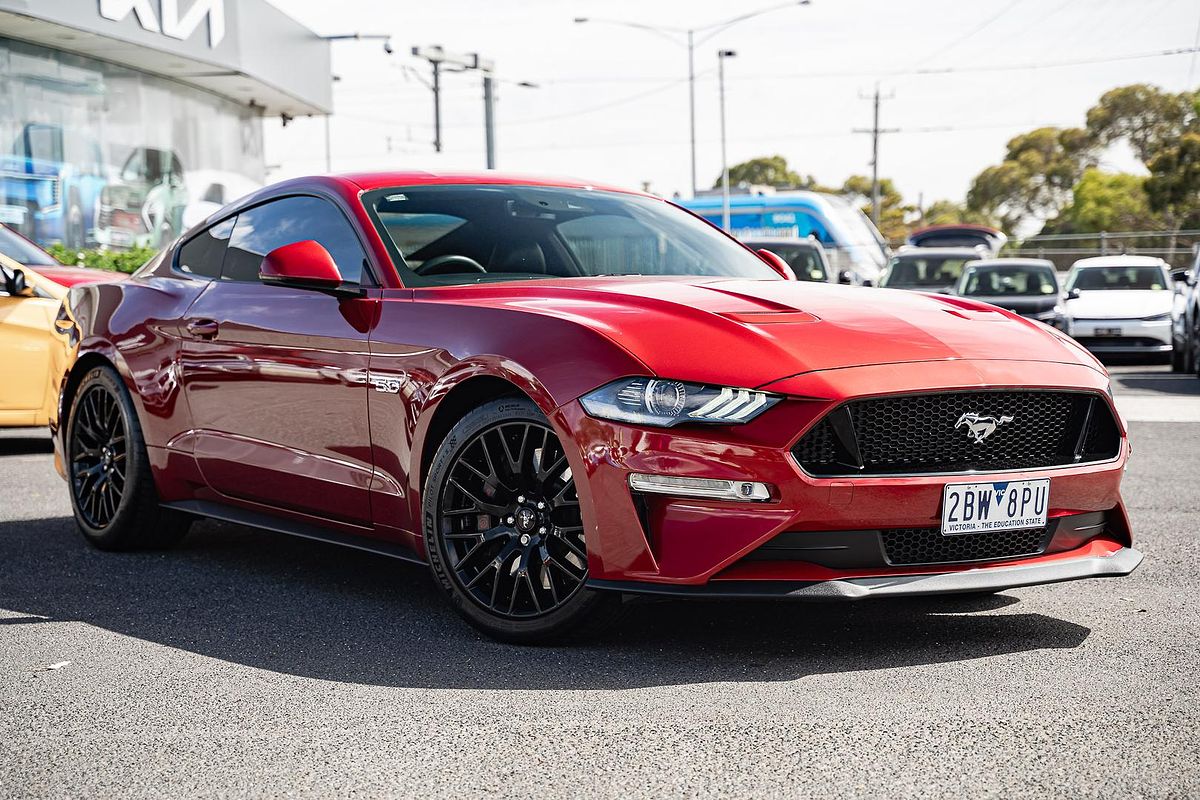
848	236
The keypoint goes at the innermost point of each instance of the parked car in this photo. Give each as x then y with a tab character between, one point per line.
806	257
542	389
1121	305
50	184
1185	319
850	240
928	269
1027	286
32	354
962	235
144	208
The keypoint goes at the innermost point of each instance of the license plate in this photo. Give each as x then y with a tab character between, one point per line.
1108	331
996	506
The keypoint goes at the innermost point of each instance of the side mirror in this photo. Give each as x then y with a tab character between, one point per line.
14	282
846	277
778	264
301	265
1074	294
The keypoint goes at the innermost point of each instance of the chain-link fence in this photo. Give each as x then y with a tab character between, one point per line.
1064	249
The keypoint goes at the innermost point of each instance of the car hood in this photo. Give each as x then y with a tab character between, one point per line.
750	333
1120	304
73	276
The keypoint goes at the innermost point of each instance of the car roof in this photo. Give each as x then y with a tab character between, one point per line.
1012	262
383	180
949	252
1119	261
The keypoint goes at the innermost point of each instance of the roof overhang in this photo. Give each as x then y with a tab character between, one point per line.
245	50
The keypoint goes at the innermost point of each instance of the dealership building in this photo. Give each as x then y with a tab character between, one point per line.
122	122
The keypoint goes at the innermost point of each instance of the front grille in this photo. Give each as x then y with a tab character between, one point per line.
912	546
929	434
1132	342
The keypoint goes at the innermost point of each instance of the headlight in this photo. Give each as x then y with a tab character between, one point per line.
665	403
1157	317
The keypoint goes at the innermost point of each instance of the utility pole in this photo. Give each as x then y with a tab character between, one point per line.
721	56
875	132
437	57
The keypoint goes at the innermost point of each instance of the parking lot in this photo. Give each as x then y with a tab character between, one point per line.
245	663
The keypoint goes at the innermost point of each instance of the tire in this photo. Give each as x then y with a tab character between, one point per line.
113	497
1178	360
510	567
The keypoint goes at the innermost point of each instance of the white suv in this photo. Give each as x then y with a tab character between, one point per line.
1121	305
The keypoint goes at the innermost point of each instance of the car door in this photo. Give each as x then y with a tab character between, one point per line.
275	377
25	340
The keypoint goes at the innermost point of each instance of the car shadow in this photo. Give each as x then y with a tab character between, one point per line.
309	609
1175	383
25	445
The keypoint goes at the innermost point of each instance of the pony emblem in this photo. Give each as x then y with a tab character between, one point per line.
979	426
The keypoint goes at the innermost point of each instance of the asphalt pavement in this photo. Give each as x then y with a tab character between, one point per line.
250	664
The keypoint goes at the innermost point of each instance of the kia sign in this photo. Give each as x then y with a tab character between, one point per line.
172	24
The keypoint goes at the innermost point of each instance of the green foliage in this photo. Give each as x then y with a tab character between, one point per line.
1145	116
768	171
1173	187
111	260
894	213
949	212
1104	201
1039	170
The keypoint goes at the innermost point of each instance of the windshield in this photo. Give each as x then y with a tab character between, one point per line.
1099	278
1027	281
23	251
920	272
804	259
446	235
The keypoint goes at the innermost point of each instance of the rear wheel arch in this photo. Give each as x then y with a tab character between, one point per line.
84	364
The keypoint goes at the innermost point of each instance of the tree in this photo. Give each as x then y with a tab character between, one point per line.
768	171
949	212
1173	187
1036	177
1145	116
893	212
1105	201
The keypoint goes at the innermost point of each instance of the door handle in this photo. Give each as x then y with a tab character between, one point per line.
203	328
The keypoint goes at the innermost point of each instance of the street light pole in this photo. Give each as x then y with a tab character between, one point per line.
709	31
692	103
721	56
358	37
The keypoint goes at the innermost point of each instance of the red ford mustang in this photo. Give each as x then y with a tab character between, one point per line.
556	394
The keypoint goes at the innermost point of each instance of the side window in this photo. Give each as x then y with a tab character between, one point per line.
291	219
203	253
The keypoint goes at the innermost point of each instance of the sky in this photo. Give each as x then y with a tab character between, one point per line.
959	78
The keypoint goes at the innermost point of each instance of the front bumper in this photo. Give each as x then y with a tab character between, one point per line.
980	579
1136	335
662	543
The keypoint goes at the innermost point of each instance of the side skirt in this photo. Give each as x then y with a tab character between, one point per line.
268	522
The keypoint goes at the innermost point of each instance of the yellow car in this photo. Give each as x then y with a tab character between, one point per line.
31	352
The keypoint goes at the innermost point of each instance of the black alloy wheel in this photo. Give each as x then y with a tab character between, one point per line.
504	531
113	494
509	516
98	456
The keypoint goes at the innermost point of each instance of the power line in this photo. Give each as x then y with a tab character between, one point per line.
978	28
